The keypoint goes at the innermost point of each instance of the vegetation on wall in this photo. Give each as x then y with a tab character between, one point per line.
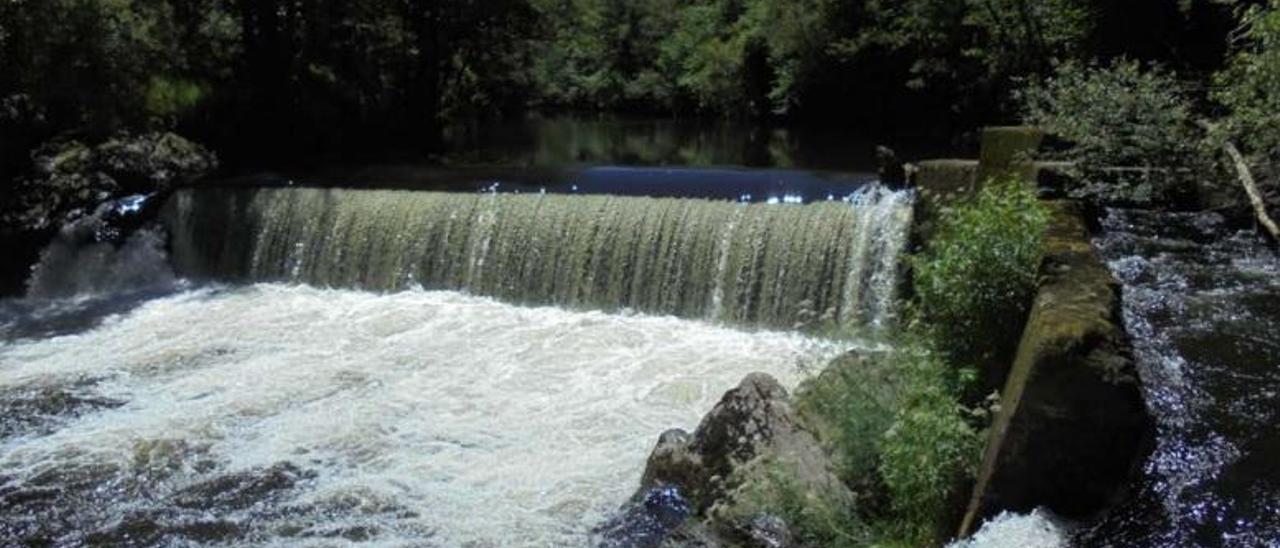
975	280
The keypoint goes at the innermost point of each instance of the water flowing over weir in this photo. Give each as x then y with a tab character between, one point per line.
250	412
818	265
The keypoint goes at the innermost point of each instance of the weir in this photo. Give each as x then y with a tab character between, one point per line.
824	265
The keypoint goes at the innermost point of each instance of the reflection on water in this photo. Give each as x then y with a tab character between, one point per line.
1202	303
278	414
607	140
712	159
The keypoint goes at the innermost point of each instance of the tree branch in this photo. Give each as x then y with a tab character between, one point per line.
1250	186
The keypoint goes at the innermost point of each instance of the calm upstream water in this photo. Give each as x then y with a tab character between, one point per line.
636	156
1202	303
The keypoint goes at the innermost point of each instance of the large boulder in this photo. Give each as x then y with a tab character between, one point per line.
722	484
153	162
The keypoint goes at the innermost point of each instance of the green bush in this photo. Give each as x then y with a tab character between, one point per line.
1121	115
974	283
895	423
853	403
930	450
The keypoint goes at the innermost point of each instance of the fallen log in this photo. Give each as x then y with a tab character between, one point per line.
1245	176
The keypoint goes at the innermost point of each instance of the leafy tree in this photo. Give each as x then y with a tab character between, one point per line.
87	64
709	49
1121	115
972	49
604	53
1249	88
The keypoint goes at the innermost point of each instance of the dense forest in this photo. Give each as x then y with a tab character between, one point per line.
266	82
319	76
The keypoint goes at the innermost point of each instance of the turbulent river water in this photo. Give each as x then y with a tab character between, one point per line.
1202	304
289	414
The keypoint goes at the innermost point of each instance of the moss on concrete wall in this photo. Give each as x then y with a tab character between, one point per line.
1072	423
1009	151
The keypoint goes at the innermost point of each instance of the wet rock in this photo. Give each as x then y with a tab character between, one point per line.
647	522
67	180
243	489
159	528
144	503
41	410
753	419
152	162
729	472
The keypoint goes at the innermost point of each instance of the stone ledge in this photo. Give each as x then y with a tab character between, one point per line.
1072	424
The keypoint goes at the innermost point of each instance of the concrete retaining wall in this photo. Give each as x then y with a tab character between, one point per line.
1072	424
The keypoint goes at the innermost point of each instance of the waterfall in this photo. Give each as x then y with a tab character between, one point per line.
823	265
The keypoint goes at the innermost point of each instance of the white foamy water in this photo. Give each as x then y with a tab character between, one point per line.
1007	530
433	417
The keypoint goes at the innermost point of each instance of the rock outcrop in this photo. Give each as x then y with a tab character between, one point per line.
70	178
712	487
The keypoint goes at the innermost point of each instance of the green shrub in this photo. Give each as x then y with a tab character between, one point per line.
852	403
895	423
1121	116
929	451
813	520
975	281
